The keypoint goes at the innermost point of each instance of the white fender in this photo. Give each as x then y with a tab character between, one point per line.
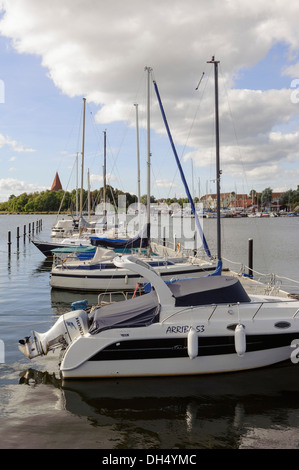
240	340
192	342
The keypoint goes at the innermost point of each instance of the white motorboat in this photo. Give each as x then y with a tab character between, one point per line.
191	326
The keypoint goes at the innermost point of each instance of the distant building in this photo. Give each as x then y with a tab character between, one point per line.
56	185
240	202
227	200
275	202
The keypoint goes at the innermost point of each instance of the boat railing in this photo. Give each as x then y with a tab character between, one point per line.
60	259
175	248
111	297
232	309
270	284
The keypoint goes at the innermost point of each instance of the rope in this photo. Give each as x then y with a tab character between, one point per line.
26	324
243	267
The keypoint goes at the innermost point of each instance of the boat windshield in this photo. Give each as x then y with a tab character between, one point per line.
208	290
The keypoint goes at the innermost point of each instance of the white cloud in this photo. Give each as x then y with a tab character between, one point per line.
15	146
99	178
164	183
99	50
10	186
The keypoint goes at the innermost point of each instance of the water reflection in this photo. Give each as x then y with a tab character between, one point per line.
43	266
184	412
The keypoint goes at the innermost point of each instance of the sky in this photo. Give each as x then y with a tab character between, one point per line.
55	53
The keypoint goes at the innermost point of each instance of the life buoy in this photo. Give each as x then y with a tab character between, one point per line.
178	247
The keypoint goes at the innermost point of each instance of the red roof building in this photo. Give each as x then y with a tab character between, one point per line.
56	185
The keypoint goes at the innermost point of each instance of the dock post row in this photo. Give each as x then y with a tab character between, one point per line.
32	227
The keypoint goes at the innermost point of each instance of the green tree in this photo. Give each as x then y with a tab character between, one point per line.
266	197
290	199
143	199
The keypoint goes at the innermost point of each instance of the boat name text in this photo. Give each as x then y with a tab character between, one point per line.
184	329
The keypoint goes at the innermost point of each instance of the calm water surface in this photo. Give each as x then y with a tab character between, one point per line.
248	410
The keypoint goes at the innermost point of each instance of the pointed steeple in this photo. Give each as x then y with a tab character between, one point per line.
56	186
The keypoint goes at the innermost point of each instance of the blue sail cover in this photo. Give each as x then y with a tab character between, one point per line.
207	250
141	240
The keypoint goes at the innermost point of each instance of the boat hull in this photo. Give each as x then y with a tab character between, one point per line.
168	349
118	279
213	364
46	247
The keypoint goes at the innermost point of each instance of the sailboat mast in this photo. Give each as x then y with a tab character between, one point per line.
82	164
138	156
88	195
148	204
104	174
218	171
77	205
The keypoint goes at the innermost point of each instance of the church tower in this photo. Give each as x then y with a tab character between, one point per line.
56	185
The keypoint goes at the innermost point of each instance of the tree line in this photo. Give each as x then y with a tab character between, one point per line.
288	200
64	201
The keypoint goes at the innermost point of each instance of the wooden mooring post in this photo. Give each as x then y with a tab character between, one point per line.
250	257
18	238
9	243
39	224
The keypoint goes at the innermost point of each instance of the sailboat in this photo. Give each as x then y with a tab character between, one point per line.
99	274
186	327
75	233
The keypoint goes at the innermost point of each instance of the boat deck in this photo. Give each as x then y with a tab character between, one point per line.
255	287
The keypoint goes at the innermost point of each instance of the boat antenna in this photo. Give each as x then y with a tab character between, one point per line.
218	171
104	173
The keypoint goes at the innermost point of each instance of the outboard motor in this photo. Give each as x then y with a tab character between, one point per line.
68	327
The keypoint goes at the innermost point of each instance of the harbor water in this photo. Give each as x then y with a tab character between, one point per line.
248	410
